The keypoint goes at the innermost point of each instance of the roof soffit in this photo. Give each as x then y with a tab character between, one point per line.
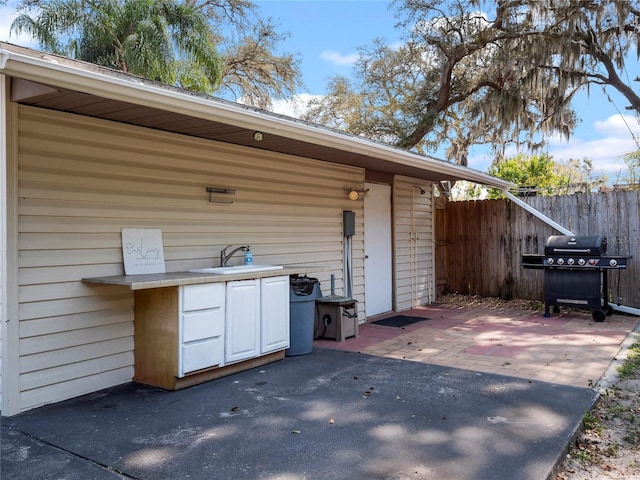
47	81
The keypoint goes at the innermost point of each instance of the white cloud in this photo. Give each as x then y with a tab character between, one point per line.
605	153
339	59
295	107
604	144
614	137
618	126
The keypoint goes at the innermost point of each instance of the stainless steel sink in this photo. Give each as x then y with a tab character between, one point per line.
237	269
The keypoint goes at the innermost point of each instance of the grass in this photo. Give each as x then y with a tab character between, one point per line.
617	407
631	366
626	408
591	422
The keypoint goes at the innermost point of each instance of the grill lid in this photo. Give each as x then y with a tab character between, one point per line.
592	246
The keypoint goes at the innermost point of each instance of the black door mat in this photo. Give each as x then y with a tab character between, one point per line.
399	321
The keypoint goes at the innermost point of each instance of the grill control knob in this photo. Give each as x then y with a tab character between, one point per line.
593	261
581	261
561	261
613	262
549	261
571	261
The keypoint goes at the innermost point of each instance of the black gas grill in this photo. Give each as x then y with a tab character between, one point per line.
575	273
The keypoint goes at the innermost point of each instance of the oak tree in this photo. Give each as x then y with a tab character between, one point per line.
474	72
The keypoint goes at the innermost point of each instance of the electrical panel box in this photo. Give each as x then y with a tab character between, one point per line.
349	223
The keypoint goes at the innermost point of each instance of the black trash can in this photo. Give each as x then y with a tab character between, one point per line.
302	312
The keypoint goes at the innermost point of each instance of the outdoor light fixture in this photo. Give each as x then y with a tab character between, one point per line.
355	194
215	192
258	136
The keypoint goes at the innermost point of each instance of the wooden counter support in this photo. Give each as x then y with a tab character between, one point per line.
156	337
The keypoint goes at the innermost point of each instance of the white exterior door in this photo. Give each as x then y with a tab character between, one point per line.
377	250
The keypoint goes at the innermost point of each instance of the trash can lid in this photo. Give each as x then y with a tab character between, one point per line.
303	285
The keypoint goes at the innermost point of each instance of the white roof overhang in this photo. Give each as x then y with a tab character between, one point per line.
54	82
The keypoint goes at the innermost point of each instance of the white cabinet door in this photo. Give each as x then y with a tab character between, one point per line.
274	314
242	320
201	329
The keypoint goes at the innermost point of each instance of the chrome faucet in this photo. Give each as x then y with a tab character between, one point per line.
224	257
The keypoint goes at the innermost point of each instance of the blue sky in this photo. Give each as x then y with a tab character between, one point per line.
327	33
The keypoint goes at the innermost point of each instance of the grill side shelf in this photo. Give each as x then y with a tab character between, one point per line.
532	260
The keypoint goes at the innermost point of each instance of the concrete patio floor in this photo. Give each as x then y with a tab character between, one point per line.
472	393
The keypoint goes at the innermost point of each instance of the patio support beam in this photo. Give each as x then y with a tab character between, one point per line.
625	309
536	213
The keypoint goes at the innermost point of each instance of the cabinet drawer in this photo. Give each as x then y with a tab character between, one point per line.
205	354
202	324
202	296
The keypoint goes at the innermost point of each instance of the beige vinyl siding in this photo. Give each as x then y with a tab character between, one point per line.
82	180
413	243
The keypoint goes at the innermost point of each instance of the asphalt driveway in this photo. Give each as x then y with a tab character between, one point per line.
327	415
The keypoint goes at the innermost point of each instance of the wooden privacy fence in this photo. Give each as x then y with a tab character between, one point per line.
484	240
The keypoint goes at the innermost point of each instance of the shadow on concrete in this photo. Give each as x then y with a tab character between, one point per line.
327	415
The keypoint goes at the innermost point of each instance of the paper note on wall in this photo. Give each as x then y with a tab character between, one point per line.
142	251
